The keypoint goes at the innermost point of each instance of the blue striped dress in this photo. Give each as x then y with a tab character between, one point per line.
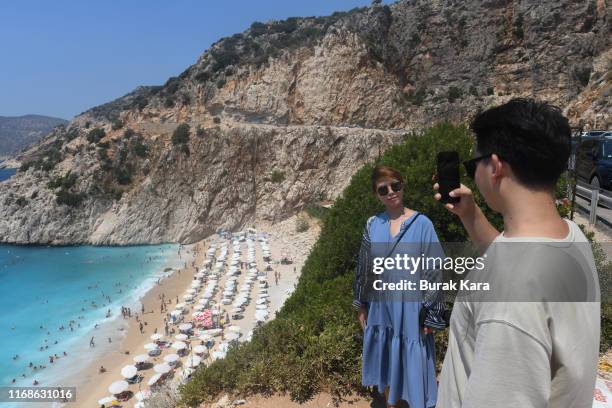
395	352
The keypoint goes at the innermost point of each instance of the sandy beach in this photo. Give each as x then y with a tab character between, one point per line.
92	385
283	240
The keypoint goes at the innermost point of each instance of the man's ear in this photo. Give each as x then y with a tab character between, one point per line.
499	168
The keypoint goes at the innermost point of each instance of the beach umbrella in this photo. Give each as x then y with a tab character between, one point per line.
218	354
193	361
151	346
190	291
181	337
156	337
162	368
176	313
234	328
199	349
232	336
129	371
179	306
141	395
171	358
118	387
199	308
261	301
154	379
179	345
261	307
185	326
106	400
141	358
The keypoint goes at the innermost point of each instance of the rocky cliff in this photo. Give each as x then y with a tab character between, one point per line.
273	119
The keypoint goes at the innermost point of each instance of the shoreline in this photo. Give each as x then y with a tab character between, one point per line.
91	385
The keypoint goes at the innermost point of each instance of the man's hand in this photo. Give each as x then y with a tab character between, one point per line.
362	315
466	205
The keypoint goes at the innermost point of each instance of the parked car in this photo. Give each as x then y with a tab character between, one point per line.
593	159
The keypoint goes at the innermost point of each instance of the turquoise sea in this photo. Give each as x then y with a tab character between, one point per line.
43	289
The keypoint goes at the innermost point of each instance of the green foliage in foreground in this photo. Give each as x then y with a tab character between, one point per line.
314	343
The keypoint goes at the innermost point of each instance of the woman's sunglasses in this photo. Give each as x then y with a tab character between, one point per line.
384	189
470	165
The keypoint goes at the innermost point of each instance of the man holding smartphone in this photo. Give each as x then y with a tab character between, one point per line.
533	353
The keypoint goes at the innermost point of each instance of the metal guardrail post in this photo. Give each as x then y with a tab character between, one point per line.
593	208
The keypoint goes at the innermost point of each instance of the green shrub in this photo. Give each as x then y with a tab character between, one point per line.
169	102
21	201
490	91
117	124
66	181
181	135
200	131
454	93
128	133
95	135
64	197
141	150
418	97
277	176
301	225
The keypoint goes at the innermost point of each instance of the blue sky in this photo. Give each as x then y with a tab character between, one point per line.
60	58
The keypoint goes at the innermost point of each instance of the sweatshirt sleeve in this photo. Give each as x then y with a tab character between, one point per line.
363	265
511	369
432	299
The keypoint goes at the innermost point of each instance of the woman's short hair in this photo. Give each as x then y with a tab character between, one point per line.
381	172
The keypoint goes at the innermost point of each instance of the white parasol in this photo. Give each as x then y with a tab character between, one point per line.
199	349
154	379
162	368
193	361
129	371
181	337
171	358
179	345
118	387
151	346
156	337
141	358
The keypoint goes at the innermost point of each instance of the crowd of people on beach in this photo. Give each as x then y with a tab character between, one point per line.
102	299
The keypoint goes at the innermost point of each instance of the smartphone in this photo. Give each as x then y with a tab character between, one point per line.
448	175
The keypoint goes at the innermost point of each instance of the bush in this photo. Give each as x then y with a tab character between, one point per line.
21	201
454	93
200	131
128	133
117	124
490	91
64	197
67	181
418	97
181	135
141	150
301	225
169	102
95	135
314	342
277	176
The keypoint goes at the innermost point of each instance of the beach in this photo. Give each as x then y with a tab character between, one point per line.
284	241
92	385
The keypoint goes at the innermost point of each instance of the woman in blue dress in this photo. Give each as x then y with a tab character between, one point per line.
398	344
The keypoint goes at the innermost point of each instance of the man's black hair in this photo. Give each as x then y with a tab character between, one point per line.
532	136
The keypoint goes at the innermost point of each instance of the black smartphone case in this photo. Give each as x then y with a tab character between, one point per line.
448	175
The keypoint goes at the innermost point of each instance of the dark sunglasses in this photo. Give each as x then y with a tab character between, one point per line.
384	190
470	165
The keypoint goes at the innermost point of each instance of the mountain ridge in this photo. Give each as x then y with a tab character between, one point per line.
270	121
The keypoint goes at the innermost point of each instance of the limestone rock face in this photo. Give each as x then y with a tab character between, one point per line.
274	119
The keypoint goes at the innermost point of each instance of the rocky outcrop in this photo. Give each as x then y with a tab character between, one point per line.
269	121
